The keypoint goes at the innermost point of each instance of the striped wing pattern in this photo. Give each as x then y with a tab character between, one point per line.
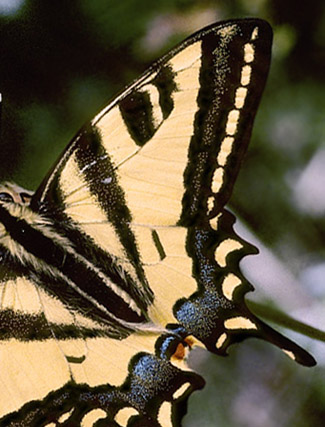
127	254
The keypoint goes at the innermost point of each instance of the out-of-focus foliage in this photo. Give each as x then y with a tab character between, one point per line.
60	62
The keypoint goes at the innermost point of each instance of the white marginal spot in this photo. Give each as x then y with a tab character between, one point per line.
230	283
249	52
241	93
289	353
224	249
210	203
65	416
221	340
214	222
91	417
217	180
225	150
165	415
239	323
179	392
122	417
232	122
245	75
254	34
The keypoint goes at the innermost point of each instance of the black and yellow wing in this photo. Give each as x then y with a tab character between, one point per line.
125	256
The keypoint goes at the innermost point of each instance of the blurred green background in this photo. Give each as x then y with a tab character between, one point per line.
60	63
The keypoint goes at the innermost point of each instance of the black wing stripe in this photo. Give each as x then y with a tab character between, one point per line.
155	197
85	279
222	127
144	110
102	182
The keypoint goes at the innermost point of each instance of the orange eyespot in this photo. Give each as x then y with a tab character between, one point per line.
180	352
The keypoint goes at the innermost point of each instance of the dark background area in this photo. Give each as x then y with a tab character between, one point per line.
61	62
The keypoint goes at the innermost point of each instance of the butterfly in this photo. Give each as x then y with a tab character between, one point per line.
125	257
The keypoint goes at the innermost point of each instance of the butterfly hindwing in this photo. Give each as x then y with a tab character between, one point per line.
127	254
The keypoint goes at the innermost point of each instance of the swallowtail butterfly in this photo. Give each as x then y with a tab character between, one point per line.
125	257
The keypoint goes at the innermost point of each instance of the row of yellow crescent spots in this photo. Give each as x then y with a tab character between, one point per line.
231	282
124	414
164	415
233	117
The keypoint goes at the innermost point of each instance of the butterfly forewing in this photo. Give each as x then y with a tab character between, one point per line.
167	150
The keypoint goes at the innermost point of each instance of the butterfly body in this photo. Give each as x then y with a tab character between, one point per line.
125	256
